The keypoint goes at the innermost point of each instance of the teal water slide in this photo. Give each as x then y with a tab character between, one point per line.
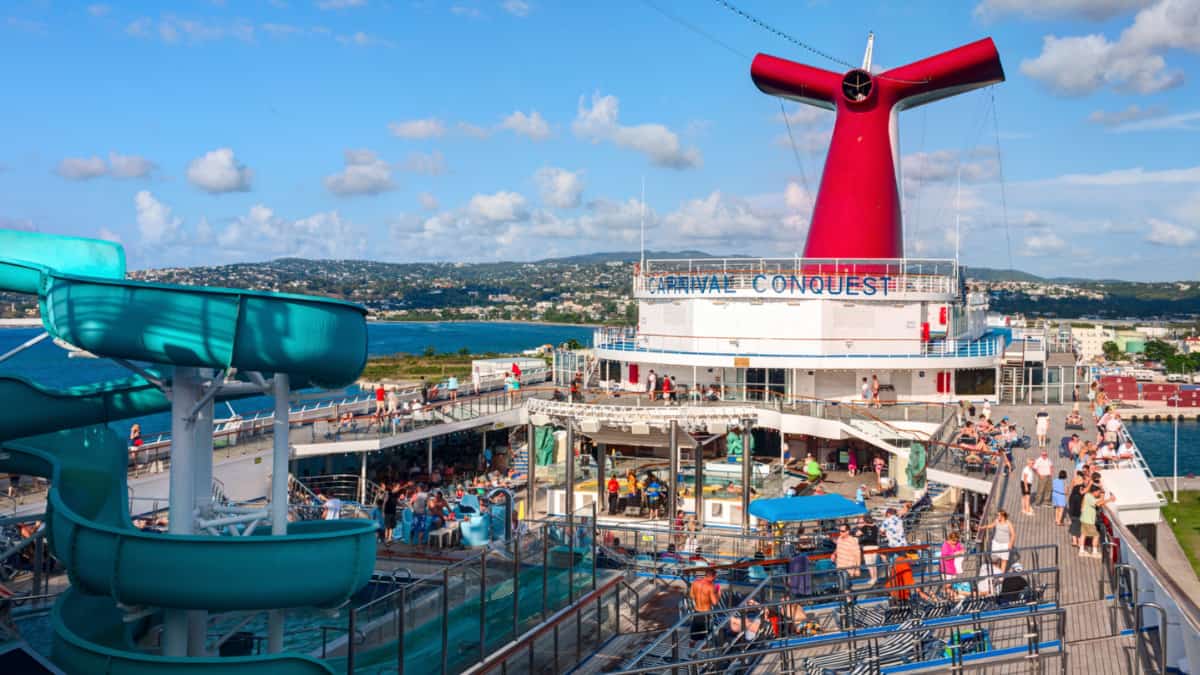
115	568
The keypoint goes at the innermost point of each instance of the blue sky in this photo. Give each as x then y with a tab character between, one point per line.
518	129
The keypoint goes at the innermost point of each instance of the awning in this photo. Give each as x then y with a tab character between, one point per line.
655	439
802	509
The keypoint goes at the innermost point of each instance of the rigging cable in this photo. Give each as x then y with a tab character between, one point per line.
804	45
795	152
1000	175
771	29
697	30
915	211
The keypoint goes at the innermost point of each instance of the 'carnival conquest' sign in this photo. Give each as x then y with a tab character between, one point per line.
778	284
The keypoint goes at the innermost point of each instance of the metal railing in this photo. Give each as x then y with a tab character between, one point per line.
850	619
1138	582
626	339
738	404
796	276
470	609
568	637
1057	386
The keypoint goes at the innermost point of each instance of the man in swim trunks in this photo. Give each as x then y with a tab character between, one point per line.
704	599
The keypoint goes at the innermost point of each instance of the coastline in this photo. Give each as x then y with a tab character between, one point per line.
491	321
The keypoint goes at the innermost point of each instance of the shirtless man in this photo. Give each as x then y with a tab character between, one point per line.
704	599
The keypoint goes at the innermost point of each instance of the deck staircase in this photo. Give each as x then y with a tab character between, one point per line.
519	462
1012	373
896	441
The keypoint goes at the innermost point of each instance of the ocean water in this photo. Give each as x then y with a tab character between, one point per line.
1157	441
45	363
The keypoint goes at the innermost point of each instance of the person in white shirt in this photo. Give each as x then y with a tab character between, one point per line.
1043	427
1027	487
987	410
1112	428
332	507
1045	470
1125	454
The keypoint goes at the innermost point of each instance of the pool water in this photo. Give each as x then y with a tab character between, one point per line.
423	643
35	628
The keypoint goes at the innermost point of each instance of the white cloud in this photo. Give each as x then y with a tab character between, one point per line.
473	130
108	235
1164	233
26	25
1133	113
516	7
129	166
1134	176
532	126
98	9
81	168
661	145
468	12
808	141
263	232
365	174
432	164
806	116
1094	10
155	222
1043	244
119	166
172	29
976	166
499	207
340	4
219	171
430	127
559	187
428	201
797	198
1188	121
1079	65
720	216
361	39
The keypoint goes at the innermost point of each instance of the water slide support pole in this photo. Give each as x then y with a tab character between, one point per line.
185	393
747	473
570	508
698	455
202	480
530	464
279	491
673	473
601	488
362	479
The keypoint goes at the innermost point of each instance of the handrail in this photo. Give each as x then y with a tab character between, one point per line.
1140	626
691	665
1128	545
504	653
637	604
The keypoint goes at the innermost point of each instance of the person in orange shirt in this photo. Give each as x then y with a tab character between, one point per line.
614	493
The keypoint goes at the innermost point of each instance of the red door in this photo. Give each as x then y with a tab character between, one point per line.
633	373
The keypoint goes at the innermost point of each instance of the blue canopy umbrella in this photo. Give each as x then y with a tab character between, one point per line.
801	509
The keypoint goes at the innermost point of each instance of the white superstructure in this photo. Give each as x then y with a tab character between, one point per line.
795	328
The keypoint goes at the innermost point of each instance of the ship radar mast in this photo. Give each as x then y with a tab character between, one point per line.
857	209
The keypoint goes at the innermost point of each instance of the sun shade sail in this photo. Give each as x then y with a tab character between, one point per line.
799	509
